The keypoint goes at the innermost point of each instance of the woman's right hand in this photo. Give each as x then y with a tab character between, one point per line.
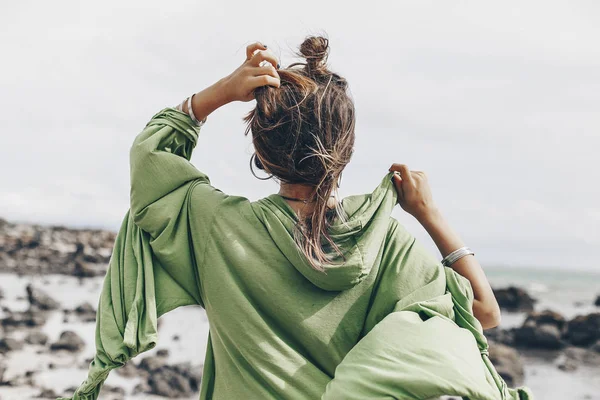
254	72
414	194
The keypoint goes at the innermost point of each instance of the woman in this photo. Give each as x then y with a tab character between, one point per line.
307	296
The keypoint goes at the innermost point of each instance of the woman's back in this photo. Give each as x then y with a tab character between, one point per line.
279	328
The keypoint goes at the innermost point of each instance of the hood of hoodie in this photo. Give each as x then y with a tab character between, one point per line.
359	238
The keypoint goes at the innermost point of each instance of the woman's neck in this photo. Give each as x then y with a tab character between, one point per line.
302	192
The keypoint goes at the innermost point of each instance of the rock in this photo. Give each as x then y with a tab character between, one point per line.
36	337
514	299
40	299
503	336
541	330
596	346
567	365
9	344
68	341
583	355
128	370
172	381
47	394
584	330
141	387
35	249
86	312
30	318
597	302
166	382
115	390
162	353
507	362
152	363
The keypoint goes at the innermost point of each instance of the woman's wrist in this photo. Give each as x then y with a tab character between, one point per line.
207	100
432	215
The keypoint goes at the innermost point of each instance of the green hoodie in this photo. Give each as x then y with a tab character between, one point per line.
389	323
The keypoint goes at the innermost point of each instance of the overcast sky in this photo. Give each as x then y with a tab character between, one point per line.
498	103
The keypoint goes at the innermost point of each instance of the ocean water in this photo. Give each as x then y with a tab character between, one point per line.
568	292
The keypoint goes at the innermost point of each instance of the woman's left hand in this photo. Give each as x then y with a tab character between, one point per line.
240	84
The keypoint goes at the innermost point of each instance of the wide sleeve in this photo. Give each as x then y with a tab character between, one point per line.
422	339
155	263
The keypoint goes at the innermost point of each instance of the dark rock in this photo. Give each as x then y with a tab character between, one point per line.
584	330
40	299
176	338
514	299
68	341
47	394
9	344
596	346
152	363
114	390
162	353
167	382
507	362
499	335
29	318
128	370
86	312
597	302
142	387
541	330
36	337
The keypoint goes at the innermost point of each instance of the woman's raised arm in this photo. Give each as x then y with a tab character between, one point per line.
415	198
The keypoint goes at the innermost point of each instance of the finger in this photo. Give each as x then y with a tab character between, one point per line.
404	172
264	55
251	48
266	69
398	184
263	80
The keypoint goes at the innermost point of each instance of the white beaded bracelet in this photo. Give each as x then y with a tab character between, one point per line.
455	255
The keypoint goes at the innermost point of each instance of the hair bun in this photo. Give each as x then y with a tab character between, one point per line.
315	49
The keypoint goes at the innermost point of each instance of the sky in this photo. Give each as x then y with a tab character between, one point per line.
498	102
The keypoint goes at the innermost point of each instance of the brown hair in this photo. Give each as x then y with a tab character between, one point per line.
303	132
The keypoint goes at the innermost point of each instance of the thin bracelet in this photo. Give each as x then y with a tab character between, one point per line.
191	112
455	255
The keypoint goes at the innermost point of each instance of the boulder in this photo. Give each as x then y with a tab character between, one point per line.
36	337
507	362
40	299
30	318
69	341
514	299
597	302
542	329
181	380
584	330
152	363
86	312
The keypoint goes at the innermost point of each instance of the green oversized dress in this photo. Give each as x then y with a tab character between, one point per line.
390	323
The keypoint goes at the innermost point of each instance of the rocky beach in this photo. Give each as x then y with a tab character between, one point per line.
51	276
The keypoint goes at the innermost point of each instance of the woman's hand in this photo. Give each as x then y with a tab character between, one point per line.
240	84
414	194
